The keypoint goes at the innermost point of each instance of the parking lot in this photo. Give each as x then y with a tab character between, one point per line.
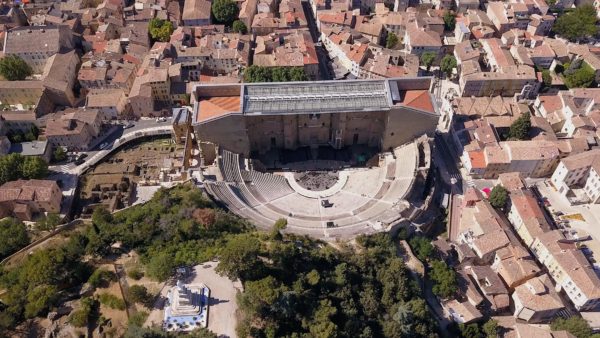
577	222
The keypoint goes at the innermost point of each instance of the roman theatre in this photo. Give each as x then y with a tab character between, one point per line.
334	158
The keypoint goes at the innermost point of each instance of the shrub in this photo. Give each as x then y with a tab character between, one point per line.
101	278
139	294
112	301
135	273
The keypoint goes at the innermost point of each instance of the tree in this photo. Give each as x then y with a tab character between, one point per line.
546	78
84	315
13	68
422	247
519	130
225	11
101	278
239	257
427	59
469	330
490	328
135	273
575	325
444	279
391	41
577	24
498	197
279	225
447	64
13	236
274	74
34	167
40	299
49	222
239	27
59	154
449	20
160	266
15	166
160	30
139	294
323	326
580	78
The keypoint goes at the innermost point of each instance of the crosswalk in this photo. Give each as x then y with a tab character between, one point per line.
63	167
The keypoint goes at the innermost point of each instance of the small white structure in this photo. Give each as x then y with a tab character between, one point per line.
187	307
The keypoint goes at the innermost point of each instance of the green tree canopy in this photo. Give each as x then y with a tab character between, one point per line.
519	130
15	166
101	278
469	330
139	294
422	247
575	325
160	30
449	20
447	64
239	257
274	74
88	309
225	11
34	167
427	59
13	236
239	27
59	154
13	68
490	328
546	78
160	267
294	287
577	24
444	279
391	40
498	197
581	78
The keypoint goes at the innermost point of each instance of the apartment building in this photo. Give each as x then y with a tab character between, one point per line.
287	49
526	216
533	158
111	103
36	44
508	81
535	301
508	15
25	200
569	268
59	78
74	129
419	40
196	12
579	171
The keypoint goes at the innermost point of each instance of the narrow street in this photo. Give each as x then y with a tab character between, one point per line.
447	165
324	71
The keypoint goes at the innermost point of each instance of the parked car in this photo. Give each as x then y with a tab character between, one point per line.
128	125
331	224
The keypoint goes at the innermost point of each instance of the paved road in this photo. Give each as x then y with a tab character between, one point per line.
114	139
324	70
447	165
